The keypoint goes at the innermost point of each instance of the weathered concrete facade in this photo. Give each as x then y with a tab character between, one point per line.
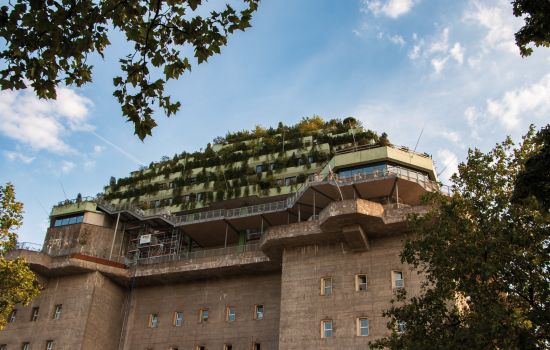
317	274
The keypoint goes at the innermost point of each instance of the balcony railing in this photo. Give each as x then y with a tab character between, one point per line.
193	218
33	247
204	253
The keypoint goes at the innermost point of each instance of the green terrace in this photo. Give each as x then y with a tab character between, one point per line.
262	162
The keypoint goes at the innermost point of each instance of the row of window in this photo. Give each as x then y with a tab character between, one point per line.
361	327
69	220
27	346
361	283
34	314
255	346
204	315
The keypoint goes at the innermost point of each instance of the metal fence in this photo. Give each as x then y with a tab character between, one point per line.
204	253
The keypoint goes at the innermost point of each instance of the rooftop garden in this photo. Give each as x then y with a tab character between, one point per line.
242	163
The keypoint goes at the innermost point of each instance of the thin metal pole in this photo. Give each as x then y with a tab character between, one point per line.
226	228
397	193
313	205
114	237
299	213
262	229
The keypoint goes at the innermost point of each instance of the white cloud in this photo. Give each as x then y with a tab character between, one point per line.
441	44
42	124
438	64
98	149
451	136
457	52
397	39
499	22
524	102
513	108
67	166
18	156
448	163
415	52
389	8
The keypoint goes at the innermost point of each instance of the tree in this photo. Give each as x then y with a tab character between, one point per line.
534	180
17	282
486	260
48	43
537	24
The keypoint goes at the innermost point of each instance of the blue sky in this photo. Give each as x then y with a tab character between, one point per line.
449	68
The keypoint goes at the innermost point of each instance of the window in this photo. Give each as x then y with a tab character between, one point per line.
26	346
173	348
259	169
203	315
271	166
278	182
57	312
397	280
3	347
361	283
290	180
13	314
49	345
200	196
227	347
34	314
185	198
362	327
259	312
326	329
230	314
200	347
153	320
192	180
256	346
76	219
326	286
178	318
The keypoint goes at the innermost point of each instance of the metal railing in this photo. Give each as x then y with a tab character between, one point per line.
33	247
390	172
203	253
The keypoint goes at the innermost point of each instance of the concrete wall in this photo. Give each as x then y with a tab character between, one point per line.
243	293
84	238
105	317
303	308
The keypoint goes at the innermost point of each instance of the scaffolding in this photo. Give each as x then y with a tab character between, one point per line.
147	242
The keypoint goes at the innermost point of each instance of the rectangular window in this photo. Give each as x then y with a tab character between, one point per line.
26	346
290	180
174	348
203	315
259	169
361	283
200	196
230	314
49	345
259	312
278	182
153	320
362	327
227	347
326	286
397	280
12	317
185	198
34	314
200	347
257	346
326	329
178	318
57	312
3	347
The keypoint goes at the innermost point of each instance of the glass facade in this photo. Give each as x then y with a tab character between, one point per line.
381	169
69	220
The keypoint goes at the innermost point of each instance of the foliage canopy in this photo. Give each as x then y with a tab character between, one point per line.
486	259
48	43
537	24
17	281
